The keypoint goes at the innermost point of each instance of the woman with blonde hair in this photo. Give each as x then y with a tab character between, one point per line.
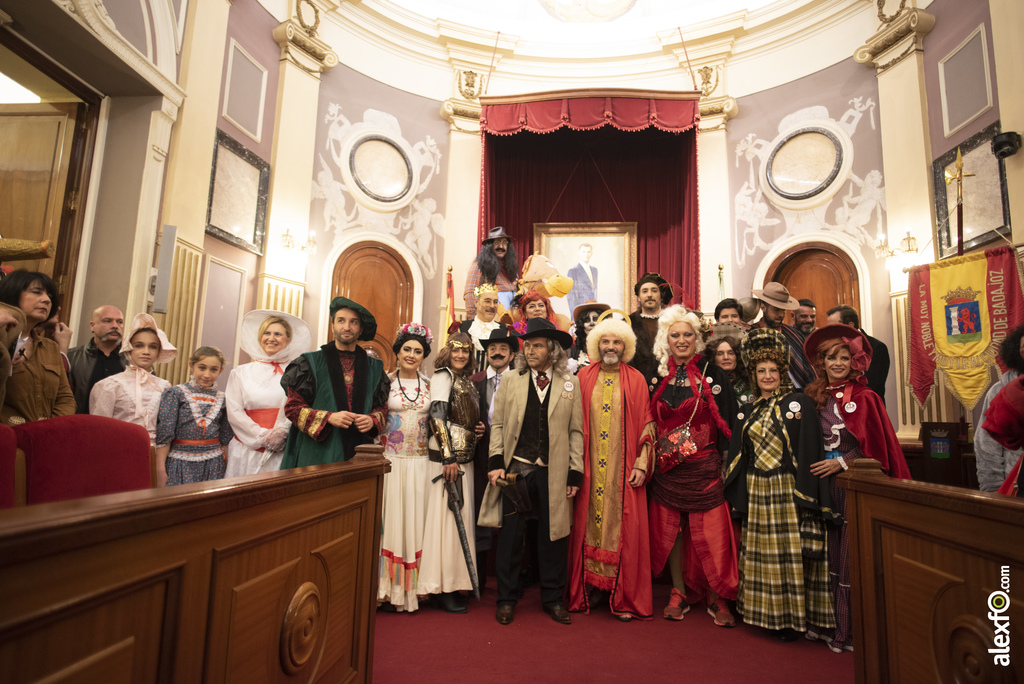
254	399
691	529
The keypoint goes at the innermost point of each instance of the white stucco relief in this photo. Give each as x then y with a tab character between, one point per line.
855	212
417	224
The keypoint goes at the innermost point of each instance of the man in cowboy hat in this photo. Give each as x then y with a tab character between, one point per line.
537	437
337	395
653	293
775	302
495	263
499	350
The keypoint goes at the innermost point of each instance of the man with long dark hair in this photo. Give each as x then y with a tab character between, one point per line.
497	263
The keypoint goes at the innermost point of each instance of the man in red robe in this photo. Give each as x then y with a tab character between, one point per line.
609	549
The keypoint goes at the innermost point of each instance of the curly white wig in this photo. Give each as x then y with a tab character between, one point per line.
615	328
668	318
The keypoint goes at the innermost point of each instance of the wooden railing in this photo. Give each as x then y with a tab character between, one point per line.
927	563
267	578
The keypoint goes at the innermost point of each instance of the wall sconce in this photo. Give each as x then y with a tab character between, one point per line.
908	245
288	242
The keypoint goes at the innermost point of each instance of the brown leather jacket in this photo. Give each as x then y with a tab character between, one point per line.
39	387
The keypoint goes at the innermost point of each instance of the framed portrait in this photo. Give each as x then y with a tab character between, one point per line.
986	203
599	257
239	187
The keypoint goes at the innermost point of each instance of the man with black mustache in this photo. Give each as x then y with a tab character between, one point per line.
500	348
653	293
497	263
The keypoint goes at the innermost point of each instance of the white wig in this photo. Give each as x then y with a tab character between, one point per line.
615	328
668	318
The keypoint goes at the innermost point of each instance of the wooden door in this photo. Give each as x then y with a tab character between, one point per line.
820	272
374	275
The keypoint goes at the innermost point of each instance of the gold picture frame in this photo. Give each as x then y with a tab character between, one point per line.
613	257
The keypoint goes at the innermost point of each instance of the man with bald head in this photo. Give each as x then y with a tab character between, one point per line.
98	359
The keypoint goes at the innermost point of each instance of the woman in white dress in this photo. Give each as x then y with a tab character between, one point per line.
405	491
254	399
133	395
454	417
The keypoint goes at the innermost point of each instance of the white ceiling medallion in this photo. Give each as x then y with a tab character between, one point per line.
377	170
587	11
806	165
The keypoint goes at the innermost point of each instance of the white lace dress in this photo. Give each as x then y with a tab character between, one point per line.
405	493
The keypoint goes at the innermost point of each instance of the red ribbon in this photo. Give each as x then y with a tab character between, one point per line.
861	358
278	370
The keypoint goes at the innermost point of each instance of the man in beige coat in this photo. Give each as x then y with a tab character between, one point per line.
540	402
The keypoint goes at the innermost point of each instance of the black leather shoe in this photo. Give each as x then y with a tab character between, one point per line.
451	604
787	635
559	614
504	615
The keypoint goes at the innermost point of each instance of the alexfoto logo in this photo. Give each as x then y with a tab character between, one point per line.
998	605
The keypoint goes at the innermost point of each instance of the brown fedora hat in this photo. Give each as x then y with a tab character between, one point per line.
777	295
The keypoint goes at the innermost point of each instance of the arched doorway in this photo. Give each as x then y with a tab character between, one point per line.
818	271
377	277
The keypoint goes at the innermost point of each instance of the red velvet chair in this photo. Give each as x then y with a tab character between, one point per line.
12	475
76	456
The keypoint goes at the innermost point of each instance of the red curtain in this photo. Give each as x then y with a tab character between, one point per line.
598	159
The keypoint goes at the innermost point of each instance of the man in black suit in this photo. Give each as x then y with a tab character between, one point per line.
499	348
878	371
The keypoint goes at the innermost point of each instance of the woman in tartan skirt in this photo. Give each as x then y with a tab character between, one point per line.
784	583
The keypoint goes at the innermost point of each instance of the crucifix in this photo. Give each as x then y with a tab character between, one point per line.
958	176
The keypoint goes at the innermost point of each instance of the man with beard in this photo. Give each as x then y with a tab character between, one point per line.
775	302
100	358
537	436
483	324
336	396
499	348
495	263
803	318
609	547
654	294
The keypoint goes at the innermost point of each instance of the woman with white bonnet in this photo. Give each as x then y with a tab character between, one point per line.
254	399
133	395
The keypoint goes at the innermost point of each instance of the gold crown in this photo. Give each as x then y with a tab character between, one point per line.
968	293
486	287
457	344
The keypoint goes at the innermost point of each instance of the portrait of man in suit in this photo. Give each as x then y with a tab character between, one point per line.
584	278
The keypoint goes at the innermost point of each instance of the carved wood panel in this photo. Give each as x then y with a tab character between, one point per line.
268	578
820	272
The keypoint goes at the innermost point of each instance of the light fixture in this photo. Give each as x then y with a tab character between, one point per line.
908	245
288	242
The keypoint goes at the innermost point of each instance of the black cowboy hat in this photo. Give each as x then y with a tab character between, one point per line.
496	233
501	334
369	323
650	277
542	327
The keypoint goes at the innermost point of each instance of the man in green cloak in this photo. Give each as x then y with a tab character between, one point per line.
337	395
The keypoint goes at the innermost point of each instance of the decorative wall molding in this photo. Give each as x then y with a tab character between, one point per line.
463	116
716	111
162	74
301	47
180	320
898	38
280	294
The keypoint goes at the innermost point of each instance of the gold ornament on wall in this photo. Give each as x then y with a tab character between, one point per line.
706	72
470	84
309	28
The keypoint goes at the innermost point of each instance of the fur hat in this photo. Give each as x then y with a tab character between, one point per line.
615	328
765	344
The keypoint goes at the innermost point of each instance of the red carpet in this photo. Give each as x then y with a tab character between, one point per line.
432	646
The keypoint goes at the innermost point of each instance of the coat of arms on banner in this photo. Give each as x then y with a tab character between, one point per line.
963	316
982	304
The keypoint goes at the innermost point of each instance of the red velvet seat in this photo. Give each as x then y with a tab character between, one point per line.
8	470
76	456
